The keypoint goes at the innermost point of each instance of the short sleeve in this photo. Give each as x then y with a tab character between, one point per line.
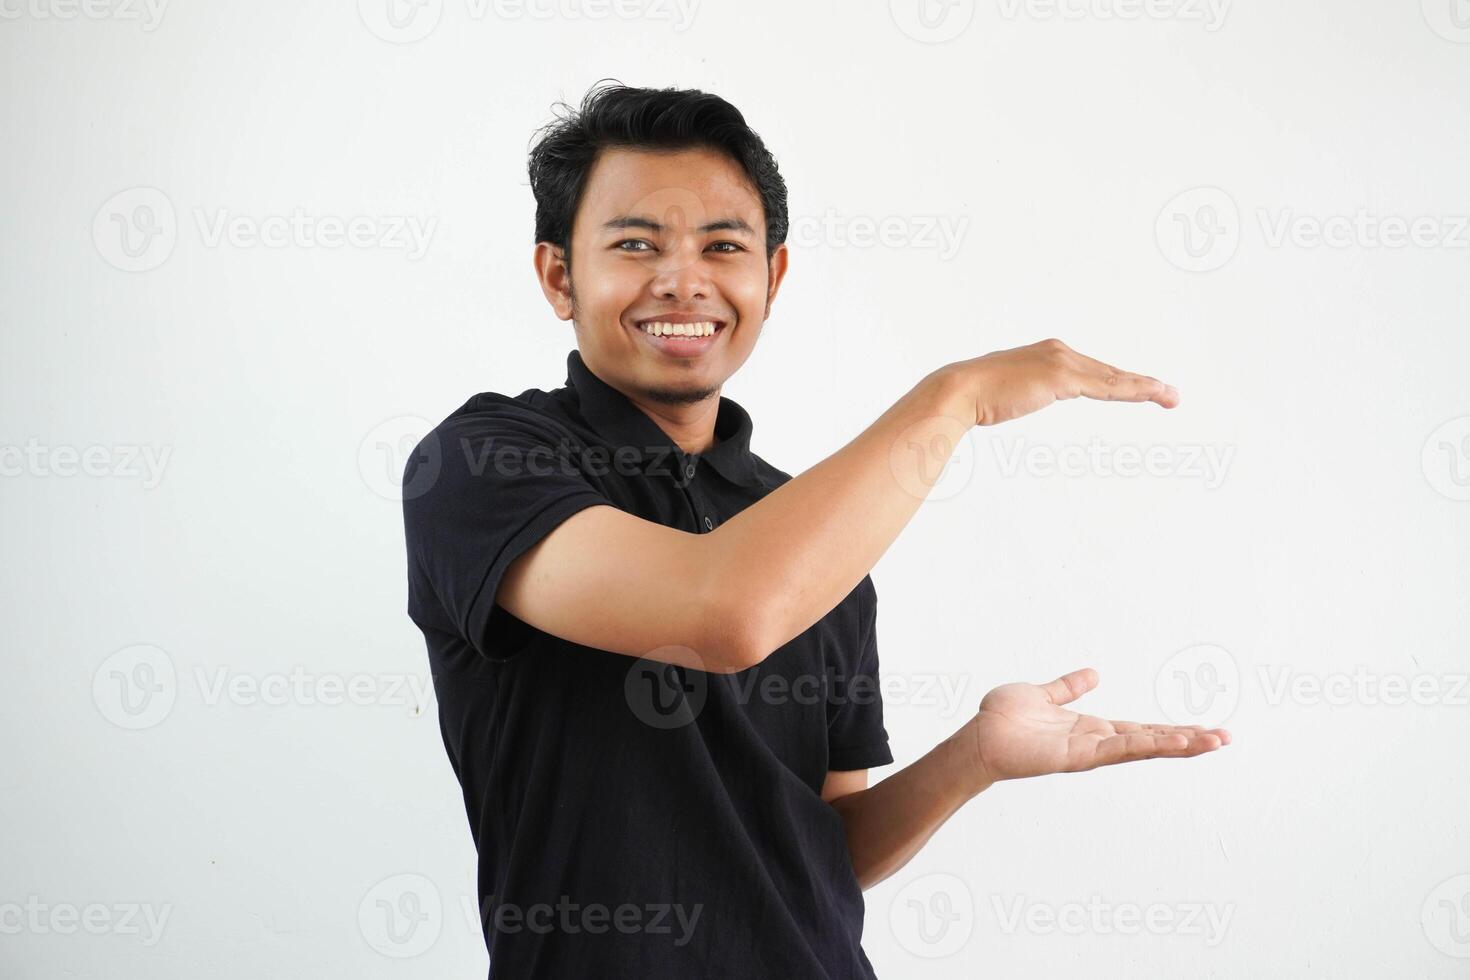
856	738
478	492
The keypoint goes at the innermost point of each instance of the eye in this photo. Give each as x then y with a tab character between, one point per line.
734	247
632	241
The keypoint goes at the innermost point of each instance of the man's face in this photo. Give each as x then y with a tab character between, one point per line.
665	237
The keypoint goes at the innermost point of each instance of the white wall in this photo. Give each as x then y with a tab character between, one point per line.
254	533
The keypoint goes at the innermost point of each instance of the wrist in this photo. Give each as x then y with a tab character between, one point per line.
969	774
951	391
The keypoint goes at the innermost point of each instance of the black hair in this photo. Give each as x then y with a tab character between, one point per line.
618	115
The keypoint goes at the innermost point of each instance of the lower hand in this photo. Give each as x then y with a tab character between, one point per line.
1023	730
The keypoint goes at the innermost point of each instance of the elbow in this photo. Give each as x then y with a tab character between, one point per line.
742	645
739	611
737	632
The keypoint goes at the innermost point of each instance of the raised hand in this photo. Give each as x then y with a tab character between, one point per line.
1010	383
1023	730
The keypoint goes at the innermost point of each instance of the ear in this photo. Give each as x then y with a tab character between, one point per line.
774	274
555	277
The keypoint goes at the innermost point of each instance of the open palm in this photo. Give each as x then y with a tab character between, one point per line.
1023	730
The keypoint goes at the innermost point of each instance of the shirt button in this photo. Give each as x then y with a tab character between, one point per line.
689	472
708	523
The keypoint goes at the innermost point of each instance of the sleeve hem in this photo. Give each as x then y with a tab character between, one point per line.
866	756
546	520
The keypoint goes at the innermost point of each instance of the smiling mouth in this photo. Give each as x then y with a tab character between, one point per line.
685	337
667	328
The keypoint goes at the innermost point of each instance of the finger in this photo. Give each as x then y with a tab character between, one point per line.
1138	746
1122	386
1070	687
1107	383
1131	727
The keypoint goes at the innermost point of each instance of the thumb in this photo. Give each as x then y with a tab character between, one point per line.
1070	687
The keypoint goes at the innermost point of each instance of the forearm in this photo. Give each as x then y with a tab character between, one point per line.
888	823
794	555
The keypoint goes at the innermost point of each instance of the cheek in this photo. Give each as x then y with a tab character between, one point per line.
747	293
607	290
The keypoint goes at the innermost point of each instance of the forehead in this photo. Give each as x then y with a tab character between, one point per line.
673	187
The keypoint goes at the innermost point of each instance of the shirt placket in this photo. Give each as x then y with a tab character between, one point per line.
705	519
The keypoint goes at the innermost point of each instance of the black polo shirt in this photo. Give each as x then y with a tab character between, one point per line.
633	819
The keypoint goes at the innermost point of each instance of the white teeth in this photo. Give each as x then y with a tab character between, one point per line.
680	329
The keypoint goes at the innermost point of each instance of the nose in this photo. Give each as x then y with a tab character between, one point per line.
681	274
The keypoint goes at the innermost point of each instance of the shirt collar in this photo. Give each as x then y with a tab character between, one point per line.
623	424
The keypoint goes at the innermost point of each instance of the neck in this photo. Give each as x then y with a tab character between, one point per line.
689	425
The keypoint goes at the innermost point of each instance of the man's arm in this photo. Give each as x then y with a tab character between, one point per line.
887	824
1020	730
726	600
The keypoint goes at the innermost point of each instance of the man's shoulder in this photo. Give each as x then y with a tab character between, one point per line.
534	414
529	404
459	448
770	476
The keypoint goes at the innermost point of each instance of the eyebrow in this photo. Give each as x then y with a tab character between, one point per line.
635	221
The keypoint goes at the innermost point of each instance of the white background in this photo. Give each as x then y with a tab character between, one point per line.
275	388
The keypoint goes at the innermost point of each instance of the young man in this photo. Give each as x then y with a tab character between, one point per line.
655	653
